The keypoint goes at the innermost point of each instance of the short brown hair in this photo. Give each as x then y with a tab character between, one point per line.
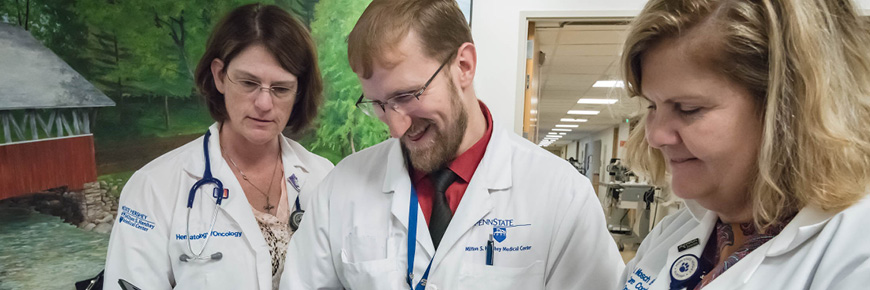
439	23
283	36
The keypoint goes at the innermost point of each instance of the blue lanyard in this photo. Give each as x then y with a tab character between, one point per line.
412	243
297	203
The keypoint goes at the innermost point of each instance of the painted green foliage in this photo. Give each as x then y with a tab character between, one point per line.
342	128
142	54
148	48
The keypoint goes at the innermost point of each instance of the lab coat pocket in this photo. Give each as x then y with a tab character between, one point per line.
378	274
361	248
476	277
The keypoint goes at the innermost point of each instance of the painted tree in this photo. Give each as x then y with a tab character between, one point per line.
54	23
343	129
302	9
182	27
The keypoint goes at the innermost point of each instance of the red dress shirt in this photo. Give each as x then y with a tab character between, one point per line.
464	166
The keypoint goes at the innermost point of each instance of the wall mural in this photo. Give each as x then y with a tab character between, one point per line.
141	55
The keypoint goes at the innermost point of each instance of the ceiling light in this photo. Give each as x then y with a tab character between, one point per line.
563	133
533	112
597	101
567	126
582	112
573	120
534	101
562	130
608	84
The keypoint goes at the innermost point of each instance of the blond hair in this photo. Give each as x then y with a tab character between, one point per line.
805	62
439	24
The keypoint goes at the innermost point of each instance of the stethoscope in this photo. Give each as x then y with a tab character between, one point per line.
208	178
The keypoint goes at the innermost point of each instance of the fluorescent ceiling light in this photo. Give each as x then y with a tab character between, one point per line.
533	112
533	119
562	130
573	120
582	112
534	101
608	84
563	133
567	126
597	101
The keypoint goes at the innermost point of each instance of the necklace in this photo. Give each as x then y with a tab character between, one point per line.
269	205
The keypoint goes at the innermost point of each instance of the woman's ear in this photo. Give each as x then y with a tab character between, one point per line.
217	73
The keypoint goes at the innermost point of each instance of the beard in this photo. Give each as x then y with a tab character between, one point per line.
442	147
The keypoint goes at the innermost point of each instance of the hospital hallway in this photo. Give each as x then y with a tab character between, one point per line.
39	251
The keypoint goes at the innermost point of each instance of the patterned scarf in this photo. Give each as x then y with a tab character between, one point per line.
726	247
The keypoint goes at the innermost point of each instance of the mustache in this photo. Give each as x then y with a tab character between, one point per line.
416	125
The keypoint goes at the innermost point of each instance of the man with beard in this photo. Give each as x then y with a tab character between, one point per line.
452	201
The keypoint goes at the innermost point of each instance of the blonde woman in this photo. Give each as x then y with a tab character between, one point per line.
758	114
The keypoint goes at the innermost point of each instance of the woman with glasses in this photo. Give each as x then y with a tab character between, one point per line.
219	212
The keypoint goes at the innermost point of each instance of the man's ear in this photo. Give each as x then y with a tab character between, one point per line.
217	73
467	63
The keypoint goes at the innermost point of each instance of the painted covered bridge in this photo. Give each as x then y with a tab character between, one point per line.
47	110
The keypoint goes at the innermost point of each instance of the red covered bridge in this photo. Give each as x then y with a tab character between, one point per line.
46	112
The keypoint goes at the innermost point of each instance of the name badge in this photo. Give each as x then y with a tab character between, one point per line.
685	271
688	245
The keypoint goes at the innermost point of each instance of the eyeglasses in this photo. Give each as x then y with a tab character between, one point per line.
398	103
250	86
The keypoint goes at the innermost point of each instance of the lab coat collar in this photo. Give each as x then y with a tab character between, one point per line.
236	206
495	169
805	225
696	210
396	176
293	166
493	174
496	158
195	165
809	221
706	224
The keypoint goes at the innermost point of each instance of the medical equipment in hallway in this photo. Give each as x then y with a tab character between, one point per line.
622	195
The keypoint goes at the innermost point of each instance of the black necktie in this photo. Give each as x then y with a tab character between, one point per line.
441	213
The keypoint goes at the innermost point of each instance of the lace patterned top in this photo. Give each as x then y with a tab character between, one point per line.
276	231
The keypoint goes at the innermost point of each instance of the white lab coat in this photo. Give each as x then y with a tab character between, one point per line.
355	236
155	199
817	250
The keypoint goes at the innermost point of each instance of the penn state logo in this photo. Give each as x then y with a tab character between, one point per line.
499	234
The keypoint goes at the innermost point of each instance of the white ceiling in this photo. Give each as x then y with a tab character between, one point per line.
576	56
